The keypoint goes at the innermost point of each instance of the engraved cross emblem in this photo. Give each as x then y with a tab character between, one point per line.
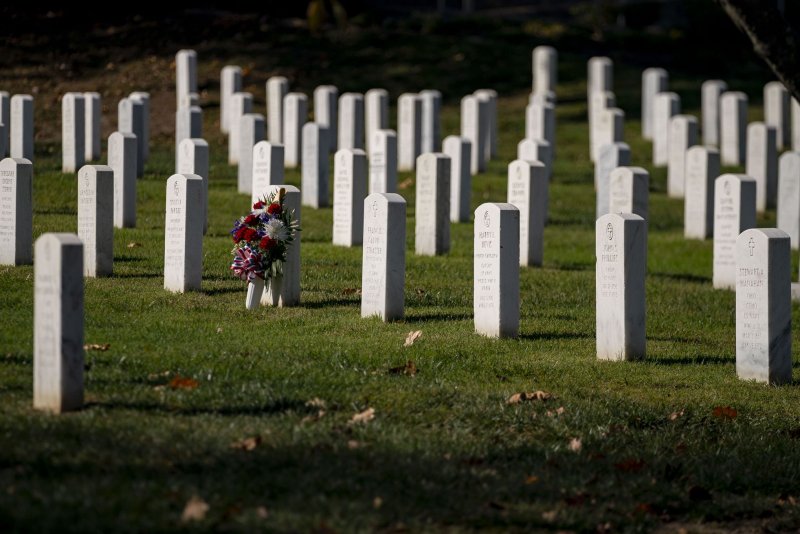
751	245
610	231
486	219
177	188
727	188
374	208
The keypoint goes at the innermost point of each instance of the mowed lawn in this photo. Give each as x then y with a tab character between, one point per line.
202	414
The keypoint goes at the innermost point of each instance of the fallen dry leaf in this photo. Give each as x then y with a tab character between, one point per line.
363	417
313	418
550	516
724	412
247	444
353	444
102	347
531	479
377	502
183	382
405	184
575	445
134	244
412	337
316	402
262	512
517	398
351	291
409	369
676	415
195	510
558	411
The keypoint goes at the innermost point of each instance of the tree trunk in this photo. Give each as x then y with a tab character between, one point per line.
774	37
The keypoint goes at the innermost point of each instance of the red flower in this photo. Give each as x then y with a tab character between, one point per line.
274	208
267	243
251	220
258	205
239	235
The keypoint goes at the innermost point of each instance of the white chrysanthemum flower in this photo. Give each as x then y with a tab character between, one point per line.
275	229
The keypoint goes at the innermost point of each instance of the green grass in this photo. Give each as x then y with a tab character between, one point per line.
444	451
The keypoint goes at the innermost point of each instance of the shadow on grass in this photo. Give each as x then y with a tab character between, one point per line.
137	275
437	316
696	360
127	259
330	302
223	290
278	406
538	336
683	277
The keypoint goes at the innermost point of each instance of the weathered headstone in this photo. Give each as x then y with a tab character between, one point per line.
130	119
431	128
665	106
682	136
611	157
144	99
383	162
73	132
349	192
383	265
600	102
789	196
628	191
776	112
763	306
609	125
122	160
22	127
540	123
230	83
93	113
409	130
733	126
654	81
488	106
16	211
193	158
277	89
496	270
710	97
58	323
432	208
762	163
188	125
527	191
241	104
545	69
314	168
458	150
326	111
621	252
96	219
183	233
267	168
185	74
295	114
734	212
251	131
702	169
351	121
288	294
376	114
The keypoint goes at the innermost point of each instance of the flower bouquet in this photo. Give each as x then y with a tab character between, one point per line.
262	239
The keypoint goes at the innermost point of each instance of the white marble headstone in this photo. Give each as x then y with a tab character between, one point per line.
130	119
376	114
22	127
240	104
776	112
710	95
734	212
762	163
611	157
314	168
540	123
409	130
458	150
789	196
431	128
383	266
609	125
73	132
251	131
93	114
545	69
351	121
432	208
488	107
96	219
193	158
122	160
349	192
277	89
682	136
665	106
496	297
383	162
185	73
267	168
527	191
702	169
183	233
58	323
599	103
654	81
144	99
5	122
795	106
326	111
628	191
16	211
471	129
764	306
600	77
733	126
295	114
621	253
289	294
230	83
188	125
